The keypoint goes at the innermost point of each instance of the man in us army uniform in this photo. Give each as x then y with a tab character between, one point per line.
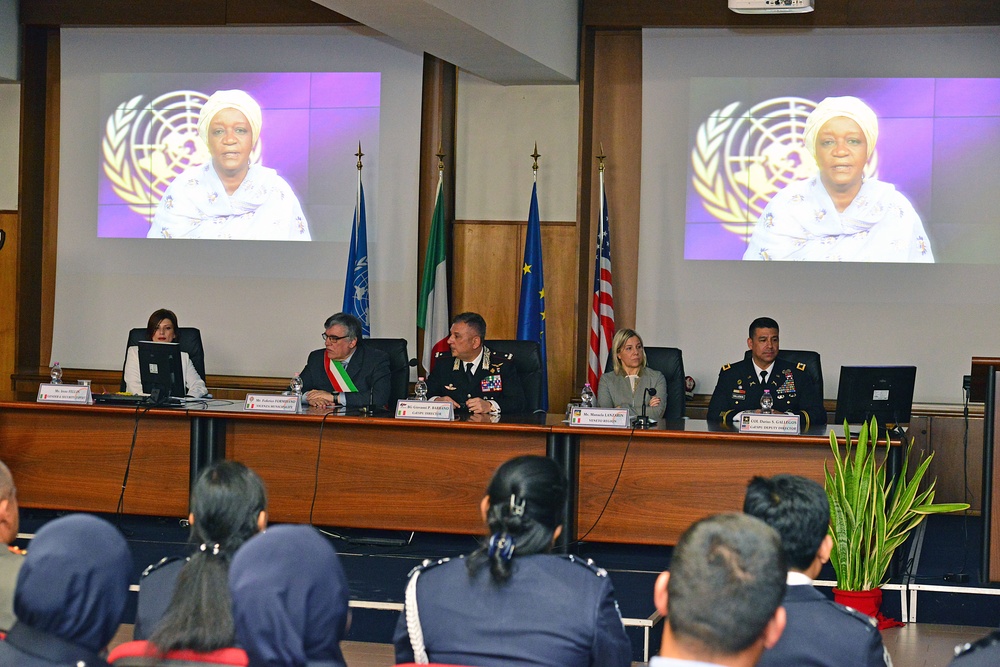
741	384
819	631
475	378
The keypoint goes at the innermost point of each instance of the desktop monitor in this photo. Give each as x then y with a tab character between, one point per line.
885	392
161	370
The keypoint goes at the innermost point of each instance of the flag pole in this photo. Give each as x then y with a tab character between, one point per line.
534	165
357	196
600	171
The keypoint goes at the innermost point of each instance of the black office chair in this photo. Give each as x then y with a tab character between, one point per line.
189	339
810	358
399	366
670	362
527	357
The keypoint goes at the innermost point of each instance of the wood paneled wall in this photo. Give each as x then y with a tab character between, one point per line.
492	253
8	301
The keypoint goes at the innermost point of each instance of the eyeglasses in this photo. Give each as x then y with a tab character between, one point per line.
327	336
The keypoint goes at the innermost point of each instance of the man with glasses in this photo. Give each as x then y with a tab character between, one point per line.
346	372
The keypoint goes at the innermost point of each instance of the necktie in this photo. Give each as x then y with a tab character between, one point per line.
468	372
763	377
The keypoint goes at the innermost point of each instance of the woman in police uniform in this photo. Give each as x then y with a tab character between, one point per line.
511	602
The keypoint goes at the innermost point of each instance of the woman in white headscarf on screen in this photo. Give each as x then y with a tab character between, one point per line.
230	197
838	214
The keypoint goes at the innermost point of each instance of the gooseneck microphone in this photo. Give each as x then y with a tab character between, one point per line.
372	379
642	421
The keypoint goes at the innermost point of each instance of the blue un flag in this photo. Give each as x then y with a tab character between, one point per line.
356	286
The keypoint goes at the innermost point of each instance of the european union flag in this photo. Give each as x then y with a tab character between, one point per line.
531	311
356	286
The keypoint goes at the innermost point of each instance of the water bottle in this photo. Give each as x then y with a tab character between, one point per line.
420	389
55	373
587	396
296	385
766	402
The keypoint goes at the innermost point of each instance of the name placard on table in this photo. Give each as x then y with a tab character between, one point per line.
775	422
613	417
433	410
273	403
64	393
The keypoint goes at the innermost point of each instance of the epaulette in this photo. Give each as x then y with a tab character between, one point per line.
428	564
864	618
587	563
989	640
801	365
156	566
726	367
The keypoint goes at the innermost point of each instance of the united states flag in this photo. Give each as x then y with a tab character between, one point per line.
602	317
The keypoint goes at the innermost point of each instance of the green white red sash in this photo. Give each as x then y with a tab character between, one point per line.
339	378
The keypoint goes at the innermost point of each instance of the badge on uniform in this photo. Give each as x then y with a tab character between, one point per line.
491	383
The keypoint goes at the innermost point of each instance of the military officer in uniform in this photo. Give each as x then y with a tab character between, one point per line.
982	653
512	602
475	378
741	385
819	631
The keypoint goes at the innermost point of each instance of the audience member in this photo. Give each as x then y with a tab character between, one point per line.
741	384
184	603
290	597
511	602
819	631
346	371
11	558
721	598
71	594
982	653
476	379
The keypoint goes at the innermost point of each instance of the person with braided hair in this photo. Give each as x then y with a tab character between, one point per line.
185	603
513	602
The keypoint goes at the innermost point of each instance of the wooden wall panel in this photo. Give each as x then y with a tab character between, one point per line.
8	303
490	284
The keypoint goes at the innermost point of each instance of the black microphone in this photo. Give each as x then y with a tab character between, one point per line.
371	407
642	421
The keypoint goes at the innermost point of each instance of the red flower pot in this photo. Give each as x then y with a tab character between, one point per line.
867	602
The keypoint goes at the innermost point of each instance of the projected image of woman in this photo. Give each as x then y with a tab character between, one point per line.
229	197
838	214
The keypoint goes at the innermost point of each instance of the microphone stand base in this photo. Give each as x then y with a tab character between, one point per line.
642	423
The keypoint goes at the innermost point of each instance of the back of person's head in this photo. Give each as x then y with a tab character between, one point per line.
727	578
74	581
525	502
474	321
289	597
10	518
797	508
158	316
762	323
226	504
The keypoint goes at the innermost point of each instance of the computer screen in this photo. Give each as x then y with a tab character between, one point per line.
160	369
885	392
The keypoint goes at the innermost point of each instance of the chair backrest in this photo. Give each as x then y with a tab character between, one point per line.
189	338
143	654
808	357
527	357
670	362
399	366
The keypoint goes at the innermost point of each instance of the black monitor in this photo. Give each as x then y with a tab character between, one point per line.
885	392
161	370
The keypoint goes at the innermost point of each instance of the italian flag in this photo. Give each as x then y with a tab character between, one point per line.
432	308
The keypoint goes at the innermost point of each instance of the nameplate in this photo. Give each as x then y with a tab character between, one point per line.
272	403
614	417
64	393
775	422
433	410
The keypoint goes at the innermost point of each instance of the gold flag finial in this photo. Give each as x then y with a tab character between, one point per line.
535	156
440	157
601	158
359	155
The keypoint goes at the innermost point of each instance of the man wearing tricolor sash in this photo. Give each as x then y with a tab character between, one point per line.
346	372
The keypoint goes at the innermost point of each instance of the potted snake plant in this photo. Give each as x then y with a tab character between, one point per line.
869	519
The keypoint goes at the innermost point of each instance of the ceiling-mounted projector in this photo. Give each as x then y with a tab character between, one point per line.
771	6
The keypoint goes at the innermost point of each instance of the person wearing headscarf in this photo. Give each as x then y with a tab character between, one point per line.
290	599
230	197
512	602
838	214
70	596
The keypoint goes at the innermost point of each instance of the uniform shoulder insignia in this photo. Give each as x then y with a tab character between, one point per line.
726	367
864	618
801	366
989	640
587	563
428	564
156	566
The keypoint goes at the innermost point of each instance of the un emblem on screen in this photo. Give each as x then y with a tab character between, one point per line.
146	145
741	158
